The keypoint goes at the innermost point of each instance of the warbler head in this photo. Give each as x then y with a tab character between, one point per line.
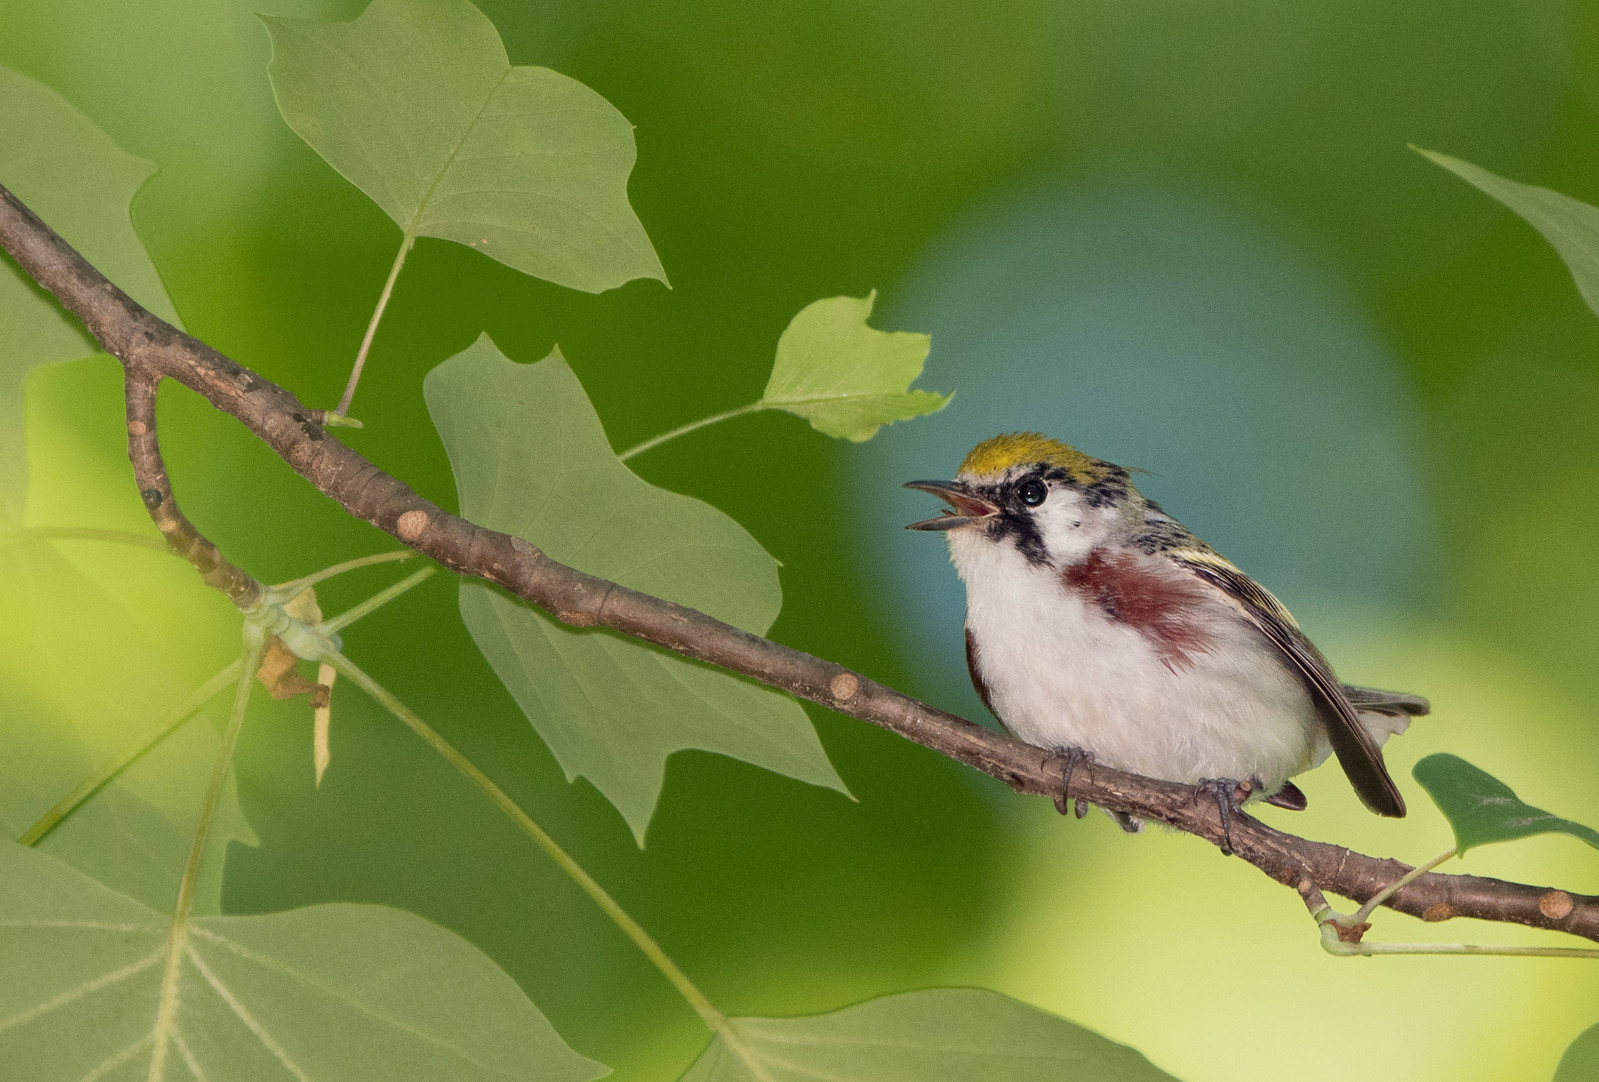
1045	500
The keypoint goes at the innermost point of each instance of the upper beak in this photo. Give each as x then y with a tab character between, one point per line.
967	508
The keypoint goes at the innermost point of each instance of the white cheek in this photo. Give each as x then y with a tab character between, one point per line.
1070	530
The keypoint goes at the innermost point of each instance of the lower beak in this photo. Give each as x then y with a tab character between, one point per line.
966	507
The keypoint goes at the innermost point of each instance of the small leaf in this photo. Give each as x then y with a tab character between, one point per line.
847	379
1570	225
416	104
531	458
84	680
73	176
1482	809
937	1035
1581	1061
348	992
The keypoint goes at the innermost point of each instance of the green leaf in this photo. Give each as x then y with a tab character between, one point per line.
416	104
346	992
1581	1061
847	379
83	681
1569	224
531	458
1482	809
76	179
937	1035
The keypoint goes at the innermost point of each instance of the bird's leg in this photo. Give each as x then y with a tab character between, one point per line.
1070	759
1230	796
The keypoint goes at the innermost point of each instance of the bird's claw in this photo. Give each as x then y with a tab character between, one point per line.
1070	759
1230	796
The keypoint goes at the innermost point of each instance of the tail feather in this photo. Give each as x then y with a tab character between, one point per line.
1397	703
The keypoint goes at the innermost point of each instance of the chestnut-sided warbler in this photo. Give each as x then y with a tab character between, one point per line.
1096	623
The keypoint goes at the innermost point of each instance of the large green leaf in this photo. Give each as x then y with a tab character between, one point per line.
347	992
75	178
1581	1061
531	458
1482	809
847	379
1569	224
416	104
83	682
937	1035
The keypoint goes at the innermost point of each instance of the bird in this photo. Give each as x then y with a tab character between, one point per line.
1099	627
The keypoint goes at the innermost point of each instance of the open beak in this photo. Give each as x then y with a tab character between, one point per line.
964	508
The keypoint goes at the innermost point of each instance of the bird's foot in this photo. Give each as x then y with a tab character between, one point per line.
1070	760
1229	796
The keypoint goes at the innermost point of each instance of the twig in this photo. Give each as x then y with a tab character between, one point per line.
149	347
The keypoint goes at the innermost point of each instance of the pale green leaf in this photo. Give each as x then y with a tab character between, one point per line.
416	104
347	992
80	183
937	1035
83	682
1482	809
1569	224
1581	1061
531	458
847	379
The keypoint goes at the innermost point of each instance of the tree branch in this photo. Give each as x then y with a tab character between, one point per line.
150	349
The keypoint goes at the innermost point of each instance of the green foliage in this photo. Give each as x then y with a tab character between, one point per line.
74	177
531	459
349	992
938	1035
1581	1061
847	379
1482	809
416	104
1570	225
85	682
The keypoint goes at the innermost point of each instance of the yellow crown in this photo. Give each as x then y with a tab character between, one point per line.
1025	448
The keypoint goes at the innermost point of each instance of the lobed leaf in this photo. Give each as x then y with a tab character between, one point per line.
844	377
1570	225
1482	809
72	175
352	992
531	459
416	104
936	1035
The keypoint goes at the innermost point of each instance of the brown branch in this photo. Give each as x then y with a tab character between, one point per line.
151	348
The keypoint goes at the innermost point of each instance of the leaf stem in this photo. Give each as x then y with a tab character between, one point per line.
713	1018
178	934
114	766
406	241
382	597
294	586
664	437
89	533
1364	913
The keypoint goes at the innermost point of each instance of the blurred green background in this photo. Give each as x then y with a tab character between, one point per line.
1187	237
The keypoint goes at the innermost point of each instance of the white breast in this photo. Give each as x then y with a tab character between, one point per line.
1062	673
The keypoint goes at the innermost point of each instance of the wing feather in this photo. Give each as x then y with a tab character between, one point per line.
1357	751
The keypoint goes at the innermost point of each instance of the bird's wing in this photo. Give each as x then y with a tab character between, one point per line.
1357	752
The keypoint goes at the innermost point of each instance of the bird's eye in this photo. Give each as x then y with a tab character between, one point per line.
1033	492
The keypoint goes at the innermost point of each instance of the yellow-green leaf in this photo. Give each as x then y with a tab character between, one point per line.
844	377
